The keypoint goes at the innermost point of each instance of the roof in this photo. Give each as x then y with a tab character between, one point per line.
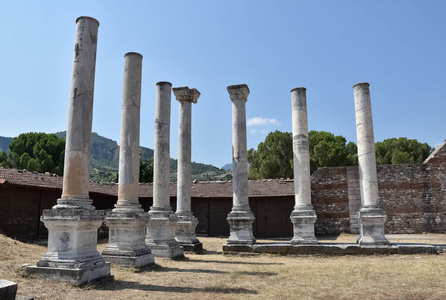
28	179
201	189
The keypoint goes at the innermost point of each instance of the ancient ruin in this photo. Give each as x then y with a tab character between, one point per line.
185	230
303	216
160	235
240	218
371	216
127	221
72	224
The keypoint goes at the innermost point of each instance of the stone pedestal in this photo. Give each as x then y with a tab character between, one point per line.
372	218
240	219
303	216
160	235
126	246
185	230
372	226
72	255
72	223
303	219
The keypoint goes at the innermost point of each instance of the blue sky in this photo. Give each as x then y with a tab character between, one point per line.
399	47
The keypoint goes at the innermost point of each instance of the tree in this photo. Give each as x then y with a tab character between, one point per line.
146	170
274	157
401	151
328	150
34	151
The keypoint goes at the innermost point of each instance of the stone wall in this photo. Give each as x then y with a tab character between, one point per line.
413	196
329	196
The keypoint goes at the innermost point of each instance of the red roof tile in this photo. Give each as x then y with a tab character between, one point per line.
209	189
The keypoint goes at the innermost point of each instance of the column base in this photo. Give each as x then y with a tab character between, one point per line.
303	219
127	246
240	223
160	235
72	247
372	220
185	232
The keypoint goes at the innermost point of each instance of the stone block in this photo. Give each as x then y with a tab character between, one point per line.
8	290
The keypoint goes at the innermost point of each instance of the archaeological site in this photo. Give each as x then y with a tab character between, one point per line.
148	221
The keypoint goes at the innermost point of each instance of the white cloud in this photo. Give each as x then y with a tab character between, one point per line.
261	131
259	121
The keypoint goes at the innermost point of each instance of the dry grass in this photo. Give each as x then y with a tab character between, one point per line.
214	276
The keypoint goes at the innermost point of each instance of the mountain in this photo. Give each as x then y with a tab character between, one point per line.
104	162
4	142
227	167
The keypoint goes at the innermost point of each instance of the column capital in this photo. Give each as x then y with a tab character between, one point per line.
186	94
238	92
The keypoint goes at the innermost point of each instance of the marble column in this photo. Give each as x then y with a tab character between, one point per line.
371	216
72	223
185	230
303	215
127	222
161	227
240	218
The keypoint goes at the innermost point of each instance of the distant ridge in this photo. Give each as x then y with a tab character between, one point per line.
4	143
227	167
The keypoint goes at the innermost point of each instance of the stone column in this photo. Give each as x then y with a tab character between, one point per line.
372	218
185	230
161	227
240	218
303	215
72	223
127	222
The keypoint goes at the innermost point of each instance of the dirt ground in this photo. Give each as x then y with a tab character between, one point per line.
212	275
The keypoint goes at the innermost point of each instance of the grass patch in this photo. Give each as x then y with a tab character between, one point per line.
214	276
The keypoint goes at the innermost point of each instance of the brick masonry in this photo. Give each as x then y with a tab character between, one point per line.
413	196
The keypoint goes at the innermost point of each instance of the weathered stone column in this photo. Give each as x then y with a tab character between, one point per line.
72	223
303	215
185	230
371	216
161	227
127	222
240	218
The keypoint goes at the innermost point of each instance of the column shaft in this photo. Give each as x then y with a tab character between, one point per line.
80	116
239	156
130	120
161	163
184	157
366	145
301	148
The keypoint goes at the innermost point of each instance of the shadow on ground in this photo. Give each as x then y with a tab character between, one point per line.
231	262
117	285
158	268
